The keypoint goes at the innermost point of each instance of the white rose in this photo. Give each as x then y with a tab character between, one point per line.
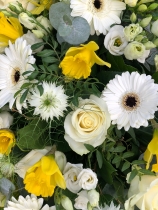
134	50
30	159
131	3
154	28
81	201
32	39
87	124
6	120
71	172
60	159
44	22
115	41
156	62
143	193
87	179
26	20
132	31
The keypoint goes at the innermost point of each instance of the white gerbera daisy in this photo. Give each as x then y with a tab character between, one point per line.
51	103
28	203
17	60
100	14
131	99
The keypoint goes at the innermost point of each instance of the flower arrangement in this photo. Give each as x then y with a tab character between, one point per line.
78	104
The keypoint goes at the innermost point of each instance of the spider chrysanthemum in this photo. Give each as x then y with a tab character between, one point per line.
52	103
132	99
100	14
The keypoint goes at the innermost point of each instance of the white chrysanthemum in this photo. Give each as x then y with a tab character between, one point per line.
17	60
100	14
52	103
131	99
28	203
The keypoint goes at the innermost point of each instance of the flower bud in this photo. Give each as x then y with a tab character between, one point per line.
156	62
149	45
154	28
7	169
156	42
38	33
66	203
2	200
139	38
60	159
152	6
6	13
93	197
145	21
131	3
27	21
15	8
142	8
89	207
45	23
133	17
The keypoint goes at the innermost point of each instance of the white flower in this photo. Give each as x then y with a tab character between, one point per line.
154	28
87	179
115	41
25	3
100	14
30	159
131	31
81	201
131	99
143	193
6	119
28	203
45	23
87	124
52	103
66	203
93	197
156	62
144	56
60	159
131	3
26	20
71	172
111	207
17	60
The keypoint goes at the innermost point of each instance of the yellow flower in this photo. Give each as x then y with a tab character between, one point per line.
7	141
44	4
10	29
151	150
78	61
43	177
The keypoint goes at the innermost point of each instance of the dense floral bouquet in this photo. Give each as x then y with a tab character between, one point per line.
78	104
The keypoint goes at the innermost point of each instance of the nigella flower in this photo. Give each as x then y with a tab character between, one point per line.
131	99
52	103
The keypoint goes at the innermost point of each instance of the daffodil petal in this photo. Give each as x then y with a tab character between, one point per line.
49	165
148	157
99	61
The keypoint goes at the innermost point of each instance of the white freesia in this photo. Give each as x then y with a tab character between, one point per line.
115	41
6	119
131	31
45	23
154	28
156	62
87	179
93	197
87	124
131	3
143	193
30	159
26	20
60	159
71	172
82	200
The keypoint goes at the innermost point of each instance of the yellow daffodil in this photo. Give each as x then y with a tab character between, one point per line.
43	177
78	61
44	4
151	150
7	141
10	29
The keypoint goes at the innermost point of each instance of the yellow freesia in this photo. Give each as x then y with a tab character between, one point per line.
78	61
10	29
151	150
7	141
43	177
44	4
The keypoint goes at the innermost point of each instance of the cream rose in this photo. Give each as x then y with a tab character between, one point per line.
143	193
87	124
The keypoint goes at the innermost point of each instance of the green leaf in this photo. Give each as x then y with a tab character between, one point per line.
119	149
33	75
132	133
17	93
116	159
127	154
99	158
89	147
134	172
125	166
24	95
138	162
36	46
40	88
45	53
53	68
26	72
50	60
25	85
42	77
147	172
95	90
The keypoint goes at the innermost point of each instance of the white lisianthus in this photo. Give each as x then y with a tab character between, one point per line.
154	28
87	179
143	193
30	159
93	197
31	39
60	159
71	172
87	124
6	119
144	56
131	3
82	200
156	62
26	20
131	31
115	41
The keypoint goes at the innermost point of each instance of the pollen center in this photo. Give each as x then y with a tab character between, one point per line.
97	4
15	75
130	101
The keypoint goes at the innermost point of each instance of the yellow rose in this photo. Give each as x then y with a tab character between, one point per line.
7	141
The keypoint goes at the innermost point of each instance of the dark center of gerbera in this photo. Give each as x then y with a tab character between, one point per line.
16	76
97	4
130	101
